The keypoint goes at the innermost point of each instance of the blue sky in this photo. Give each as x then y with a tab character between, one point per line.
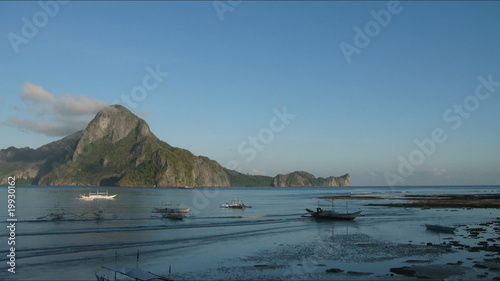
231	70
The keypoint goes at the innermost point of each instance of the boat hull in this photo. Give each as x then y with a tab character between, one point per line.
333	215
235	204
173	216
97	195
171	210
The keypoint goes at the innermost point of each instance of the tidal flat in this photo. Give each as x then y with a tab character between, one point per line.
359	256
271	241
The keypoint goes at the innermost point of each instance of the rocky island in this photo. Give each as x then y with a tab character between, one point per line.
117	148
306	179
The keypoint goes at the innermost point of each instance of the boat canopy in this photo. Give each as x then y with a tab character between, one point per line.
136	273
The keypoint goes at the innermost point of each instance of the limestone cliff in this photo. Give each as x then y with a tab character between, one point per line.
118	148
301	178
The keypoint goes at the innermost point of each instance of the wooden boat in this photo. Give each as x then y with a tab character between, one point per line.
331	214
172	208
97	195
174	216
235	204
99	214
327	214
440	228
58	214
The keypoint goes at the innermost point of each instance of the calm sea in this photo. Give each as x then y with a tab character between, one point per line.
212	241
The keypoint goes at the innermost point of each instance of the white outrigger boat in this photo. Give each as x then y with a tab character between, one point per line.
97	195
235	204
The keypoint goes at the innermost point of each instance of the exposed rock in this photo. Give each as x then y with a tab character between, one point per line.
418	261
403	271
359	273
334	270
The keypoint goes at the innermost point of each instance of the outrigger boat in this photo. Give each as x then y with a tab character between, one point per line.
97	195
235	204
326	214
174	216
172	208
331	214
137	274
59	213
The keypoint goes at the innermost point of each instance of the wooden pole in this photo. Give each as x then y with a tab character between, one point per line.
137	264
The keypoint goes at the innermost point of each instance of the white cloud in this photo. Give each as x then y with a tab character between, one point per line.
78	105
54	129
36	93
53	116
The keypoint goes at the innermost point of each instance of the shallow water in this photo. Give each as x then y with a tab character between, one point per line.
270	240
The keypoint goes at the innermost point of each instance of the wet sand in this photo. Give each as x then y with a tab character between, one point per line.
432	201
469	255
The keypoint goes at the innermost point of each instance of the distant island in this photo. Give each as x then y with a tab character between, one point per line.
118	149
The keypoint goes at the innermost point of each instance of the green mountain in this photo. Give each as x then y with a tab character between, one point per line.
29	165
118	149
239	179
